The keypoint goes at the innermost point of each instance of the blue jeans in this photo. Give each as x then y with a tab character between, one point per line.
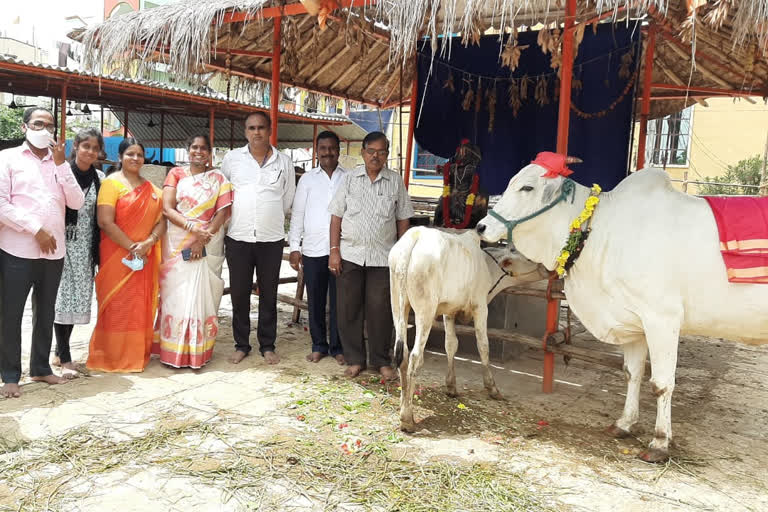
321	283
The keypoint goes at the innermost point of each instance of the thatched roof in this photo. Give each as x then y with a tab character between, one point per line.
356	59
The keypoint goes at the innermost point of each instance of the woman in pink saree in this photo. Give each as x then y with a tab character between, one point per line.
196	202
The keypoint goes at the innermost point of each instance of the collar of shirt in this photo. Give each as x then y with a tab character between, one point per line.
360	171
246	151
336	172
26	149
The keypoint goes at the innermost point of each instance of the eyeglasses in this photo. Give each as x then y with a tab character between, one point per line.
380	152
39	125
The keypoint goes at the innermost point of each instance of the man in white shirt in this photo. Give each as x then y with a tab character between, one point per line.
264	182
309	238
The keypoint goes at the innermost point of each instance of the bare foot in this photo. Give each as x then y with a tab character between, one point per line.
69	370
51	379
10	391
55	361
388	373
315	357
271	358
238	356
340	359
353	370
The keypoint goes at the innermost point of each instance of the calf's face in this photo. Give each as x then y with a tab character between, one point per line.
518	266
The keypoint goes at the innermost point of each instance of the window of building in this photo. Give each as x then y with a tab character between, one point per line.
425	163
669	139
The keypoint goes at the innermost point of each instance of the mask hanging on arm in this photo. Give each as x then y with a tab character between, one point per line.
135	264
41	139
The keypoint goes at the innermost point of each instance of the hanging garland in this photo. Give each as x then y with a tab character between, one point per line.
613	105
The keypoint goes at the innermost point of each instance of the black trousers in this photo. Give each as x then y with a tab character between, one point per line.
321	287
63	333
242	259
363	295
17	277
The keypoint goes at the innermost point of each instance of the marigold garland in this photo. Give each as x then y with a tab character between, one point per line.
577	236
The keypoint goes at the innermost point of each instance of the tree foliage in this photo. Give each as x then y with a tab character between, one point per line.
10	123
746	172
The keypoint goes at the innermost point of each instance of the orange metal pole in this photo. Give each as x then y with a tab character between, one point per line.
566	76
211	127
63	135
650	49
274	97
411	120
563	121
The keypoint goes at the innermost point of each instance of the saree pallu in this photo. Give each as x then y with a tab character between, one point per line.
190	291
122	338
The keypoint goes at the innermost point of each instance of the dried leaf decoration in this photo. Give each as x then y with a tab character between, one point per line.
556	49
576	84
540	94
448	84
510	57
524	83
626	64
492	107
475	31
468	98
513	97
578	37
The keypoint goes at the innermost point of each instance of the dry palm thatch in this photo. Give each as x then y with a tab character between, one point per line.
184	29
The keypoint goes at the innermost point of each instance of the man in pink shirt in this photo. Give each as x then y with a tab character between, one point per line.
35	185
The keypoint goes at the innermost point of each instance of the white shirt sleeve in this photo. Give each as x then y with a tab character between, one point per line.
290	186
297	214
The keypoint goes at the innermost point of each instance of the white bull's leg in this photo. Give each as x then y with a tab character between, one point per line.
635	353
423	326
481	334
451	346
663	336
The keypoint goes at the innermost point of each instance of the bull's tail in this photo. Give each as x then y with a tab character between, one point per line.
399	259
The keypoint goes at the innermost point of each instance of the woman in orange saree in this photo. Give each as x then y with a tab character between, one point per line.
129	211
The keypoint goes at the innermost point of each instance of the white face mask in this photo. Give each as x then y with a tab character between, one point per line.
39	138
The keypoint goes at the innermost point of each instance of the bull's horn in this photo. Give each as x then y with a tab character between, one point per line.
573	160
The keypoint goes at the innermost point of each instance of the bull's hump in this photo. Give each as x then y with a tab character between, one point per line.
645	180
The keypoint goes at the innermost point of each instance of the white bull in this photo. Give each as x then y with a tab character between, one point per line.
650	270
436	272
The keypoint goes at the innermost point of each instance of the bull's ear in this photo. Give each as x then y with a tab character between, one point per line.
550	189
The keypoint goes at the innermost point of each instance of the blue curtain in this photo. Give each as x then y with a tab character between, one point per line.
602	142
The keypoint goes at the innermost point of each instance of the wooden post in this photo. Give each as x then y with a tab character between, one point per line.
211	127
231	133
102	120
55	118
125	124
685	182
274	97
162	134
314	144
763	177
411	119
650	49
63	135
566	76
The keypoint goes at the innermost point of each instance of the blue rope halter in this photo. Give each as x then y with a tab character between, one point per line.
568	188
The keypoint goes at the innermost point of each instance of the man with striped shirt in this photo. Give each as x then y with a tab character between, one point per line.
369	212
